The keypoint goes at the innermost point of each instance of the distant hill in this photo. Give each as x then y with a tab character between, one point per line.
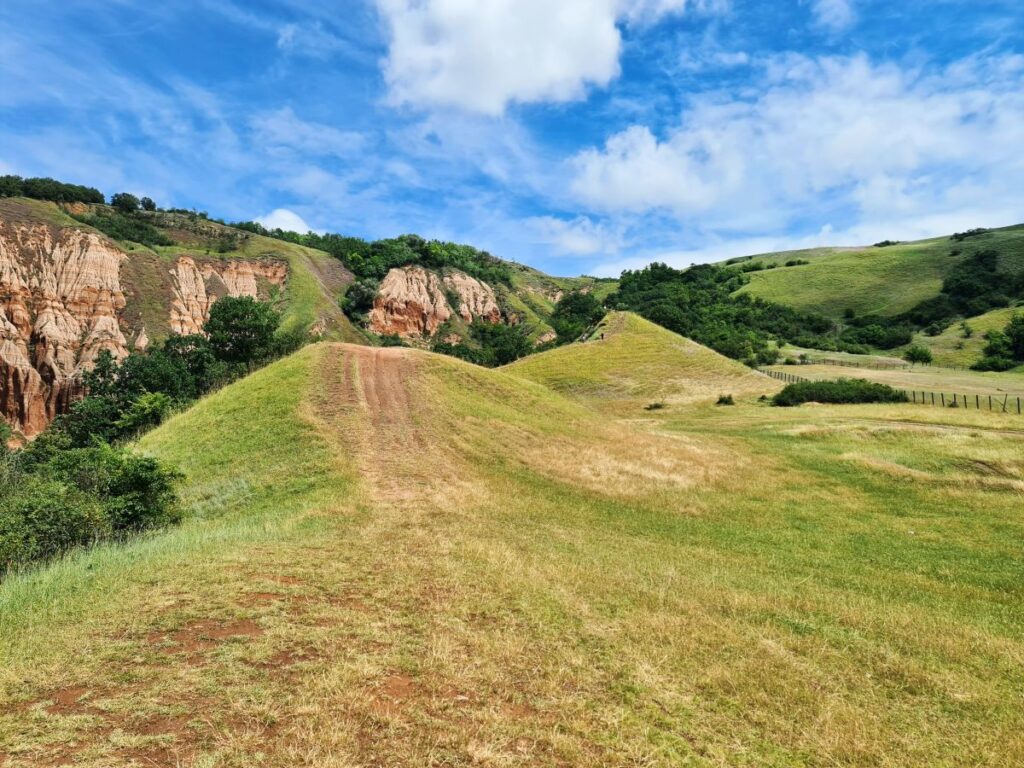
631	362
884	281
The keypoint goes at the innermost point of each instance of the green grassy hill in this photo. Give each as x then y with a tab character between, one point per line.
952	348
637	363
884	281
395	558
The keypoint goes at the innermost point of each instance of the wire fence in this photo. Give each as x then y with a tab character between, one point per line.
878	365
995	403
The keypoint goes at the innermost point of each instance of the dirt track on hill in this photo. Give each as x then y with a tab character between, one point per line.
367	402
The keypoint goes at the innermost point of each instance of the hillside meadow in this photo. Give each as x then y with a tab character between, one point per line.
396	558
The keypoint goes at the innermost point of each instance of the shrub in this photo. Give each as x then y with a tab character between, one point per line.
359	298
654	406
840	391
918	354
147	204
136	492
41	518
574	313
994	363
725	400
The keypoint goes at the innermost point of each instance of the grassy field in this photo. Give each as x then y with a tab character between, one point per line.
395	558
922	377
884	281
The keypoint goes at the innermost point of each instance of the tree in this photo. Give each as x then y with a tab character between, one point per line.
241	330
125	202
574	313
1015	336
148	204
918	354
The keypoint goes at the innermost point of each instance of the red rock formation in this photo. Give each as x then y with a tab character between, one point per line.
62	301
412	302
198	286
60	294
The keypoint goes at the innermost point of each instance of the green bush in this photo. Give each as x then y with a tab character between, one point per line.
118	226
840	391
994	363
918	354
241	330
136	492
41	518
726	400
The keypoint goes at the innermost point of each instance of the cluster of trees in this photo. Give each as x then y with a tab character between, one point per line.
77	484
373	260
127	398
870	331
574	313
974	285
493	344
699	303
1005	349
48	189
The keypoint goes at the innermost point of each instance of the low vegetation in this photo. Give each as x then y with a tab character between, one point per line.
77	483
840	391
119	225
55	497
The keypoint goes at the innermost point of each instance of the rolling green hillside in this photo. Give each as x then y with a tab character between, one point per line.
632	362
392	557
952	348
884	281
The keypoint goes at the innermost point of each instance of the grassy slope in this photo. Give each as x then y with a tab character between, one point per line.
513	580
533	294
637	363
950	348
885	281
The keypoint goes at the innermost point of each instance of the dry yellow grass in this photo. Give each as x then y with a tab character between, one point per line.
400	559
637	363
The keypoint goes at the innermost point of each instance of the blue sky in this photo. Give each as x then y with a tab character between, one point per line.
578	136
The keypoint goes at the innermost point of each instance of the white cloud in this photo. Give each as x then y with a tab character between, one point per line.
480	56
282	218
834	15
283	130
580	236
881	142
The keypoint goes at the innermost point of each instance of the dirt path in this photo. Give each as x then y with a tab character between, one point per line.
367	403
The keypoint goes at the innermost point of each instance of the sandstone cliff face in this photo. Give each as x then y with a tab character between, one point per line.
62	302
60	294
196	287
412	302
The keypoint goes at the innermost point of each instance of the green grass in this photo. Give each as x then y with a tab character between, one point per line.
424	561
950	348
638	362
883	281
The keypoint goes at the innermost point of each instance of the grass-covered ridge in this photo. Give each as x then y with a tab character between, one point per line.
885	281
393	556
636	363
